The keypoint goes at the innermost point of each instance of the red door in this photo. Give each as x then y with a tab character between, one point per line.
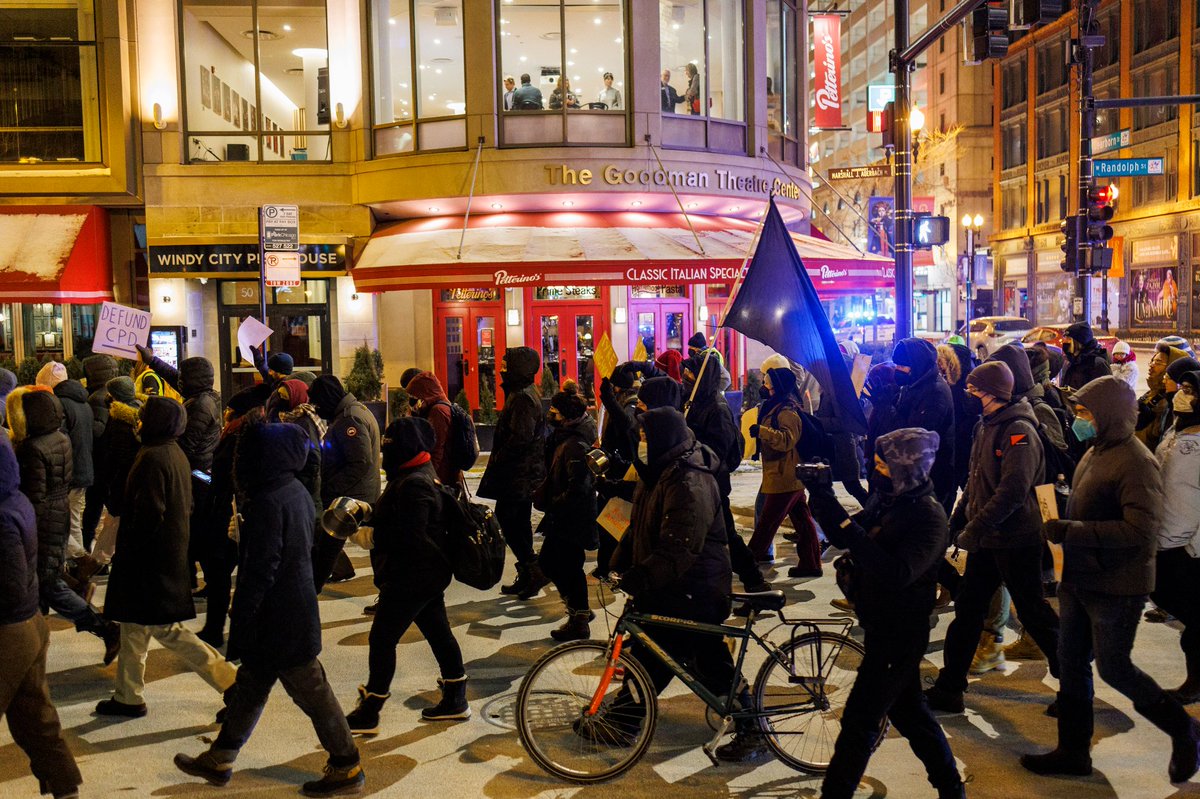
468	349
661	325
565	335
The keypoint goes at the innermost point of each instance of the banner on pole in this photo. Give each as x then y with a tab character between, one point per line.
827	41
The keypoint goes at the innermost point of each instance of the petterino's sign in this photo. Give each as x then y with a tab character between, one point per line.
184	260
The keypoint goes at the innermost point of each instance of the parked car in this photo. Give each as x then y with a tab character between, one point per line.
1053	334
989	333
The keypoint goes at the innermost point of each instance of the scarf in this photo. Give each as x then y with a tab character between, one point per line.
302	410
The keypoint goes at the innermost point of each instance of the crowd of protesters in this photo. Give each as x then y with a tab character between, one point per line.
148	482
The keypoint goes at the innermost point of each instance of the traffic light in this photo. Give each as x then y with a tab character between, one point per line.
1070	247
989	30
931	231
1099	213
887	125
1041	12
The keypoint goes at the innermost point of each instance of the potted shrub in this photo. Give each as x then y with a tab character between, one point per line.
548	388
485	417
365	382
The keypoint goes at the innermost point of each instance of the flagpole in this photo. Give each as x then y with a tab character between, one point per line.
737	283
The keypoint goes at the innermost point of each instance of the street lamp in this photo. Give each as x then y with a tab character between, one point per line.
916	119
972	224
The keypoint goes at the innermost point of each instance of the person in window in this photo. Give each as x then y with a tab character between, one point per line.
670	97
691	95
528	97
608	95
510	89
562	96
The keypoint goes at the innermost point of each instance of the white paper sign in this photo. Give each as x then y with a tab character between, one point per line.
121	330
1047	501
251	333
615	517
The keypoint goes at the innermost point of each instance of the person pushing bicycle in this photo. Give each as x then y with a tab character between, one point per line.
674	561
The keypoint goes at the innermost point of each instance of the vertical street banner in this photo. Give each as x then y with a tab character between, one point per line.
881	230
827	58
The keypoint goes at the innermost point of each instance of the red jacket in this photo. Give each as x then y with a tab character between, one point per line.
436	410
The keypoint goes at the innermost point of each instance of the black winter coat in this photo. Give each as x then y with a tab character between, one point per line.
568	494
79	425
619	436
407	558
98	370
194	381
926	402
150	583
1085	367
120	446
274	619
517	464
710	418
18	544
350	454
45	459
674	558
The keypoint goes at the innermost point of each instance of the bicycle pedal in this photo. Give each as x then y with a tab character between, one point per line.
710	748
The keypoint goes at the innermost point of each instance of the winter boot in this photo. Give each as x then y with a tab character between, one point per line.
943	700
337	781
575	628
537	580
1072	757
518	585
1024	648
989	655
111	707
364	719
215	765
453	706
1170	717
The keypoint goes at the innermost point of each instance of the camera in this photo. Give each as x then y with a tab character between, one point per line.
816	472
598	462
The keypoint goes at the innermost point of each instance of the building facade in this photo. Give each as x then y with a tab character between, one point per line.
445	215
1152	48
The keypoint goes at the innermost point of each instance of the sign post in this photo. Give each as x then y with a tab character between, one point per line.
278	234
1127	167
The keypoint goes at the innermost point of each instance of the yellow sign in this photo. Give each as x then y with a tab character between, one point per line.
639	352
605	357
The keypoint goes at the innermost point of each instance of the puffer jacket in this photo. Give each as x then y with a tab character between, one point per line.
150	582
407	558
1110	540
194	381
674	558
436	410
78	424
274	619
44	455
98	370
120	446
568	494
8	381
778	434
350	454
999	509
18	544
711	420
517	464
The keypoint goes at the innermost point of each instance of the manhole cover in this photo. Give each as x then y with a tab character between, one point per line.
502	711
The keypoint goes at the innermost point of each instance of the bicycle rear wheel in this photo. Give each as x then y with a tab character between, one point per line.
553	720
802	698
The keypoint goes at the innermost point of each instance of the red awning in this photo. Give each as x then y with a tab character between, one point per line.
511	250
56	254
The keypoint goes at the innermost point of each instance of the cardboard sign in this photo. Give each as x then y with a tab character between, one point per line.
616	516
120	330
251	333
605	357
858	374
1047	501
749	417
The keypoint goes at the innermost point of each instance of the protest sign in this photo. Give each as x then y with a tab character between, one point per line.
251	333
605	357
120	330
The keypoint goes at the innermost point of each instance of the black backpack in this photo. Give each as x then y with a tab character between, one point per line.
474	545
464	445
814	442
1058	461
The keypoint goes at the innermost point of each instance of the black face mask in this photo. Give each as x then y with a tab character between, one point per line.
973	405
882	484
903	378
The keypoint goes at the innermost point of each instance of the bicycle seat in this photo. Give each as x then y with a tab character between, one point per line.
762	600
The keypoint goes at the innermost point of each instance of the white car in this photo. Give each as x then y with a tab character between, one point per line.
990	333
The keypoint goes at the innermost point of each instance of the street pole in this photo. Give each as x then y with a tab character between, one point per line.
1088	26
969	282
902	135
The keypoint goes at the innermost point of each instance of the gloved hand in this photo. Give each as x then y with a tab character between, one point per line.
826	508
753	431
1056	530
259	356
606	390
970	539
147	354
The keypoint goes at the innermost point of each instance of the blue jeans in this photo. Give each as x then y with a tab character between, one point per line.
56	596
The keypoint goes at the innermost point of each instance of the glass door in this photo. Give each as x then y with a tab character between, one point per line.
661	326
567	338
468	353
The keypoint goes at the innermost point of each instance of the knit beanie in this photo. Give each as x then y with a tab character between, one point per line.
306	378
407	376
697	341
281	362
624	376
51	374
244	400
569	404
405	439
121	389
993	378
1039	363
669	362
660	392
326	393
1181	366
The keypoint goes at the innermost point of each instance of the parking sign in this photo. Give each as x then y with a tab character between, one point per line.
280	229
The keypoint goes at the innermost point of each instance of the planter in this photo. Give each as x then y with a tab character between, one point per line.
379	410
485	433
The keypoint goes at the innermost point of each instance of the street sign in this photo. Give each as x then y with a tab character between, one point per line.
280	228
282	268
879	95
1111	141
1127	167
861	172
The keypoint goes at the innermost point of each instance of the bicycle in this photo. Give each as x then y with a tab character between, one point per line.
586	710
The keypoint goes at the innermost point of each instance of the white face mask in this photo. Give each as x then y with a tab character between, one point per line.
1182	403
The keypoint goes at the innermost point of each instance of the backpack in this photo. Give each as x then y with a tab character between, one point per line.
474	546
464	444
1058	461
814	442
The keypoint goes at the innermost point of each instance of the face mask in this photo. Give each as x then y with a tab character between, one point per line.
973	405
881	484
1182	403
1083	429
903	378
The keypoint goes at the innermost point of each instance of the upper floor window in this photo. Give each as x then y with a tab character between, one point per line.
256	80
1052	70
1110	28
1160	81
783	82
417	76
1013	83
563	72
51	105
1154	22
1012	145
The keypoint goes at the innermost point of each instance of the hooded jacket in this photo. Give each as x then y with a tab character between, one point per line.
710	418
350	450
1153	406
1087	364
150	583
999	509
78	424
568	494
954	360
18	544
274	619
8	381
1109	541
881	393
194	381
436	411
98	370
926	402
779	431
1025	388
407	558
517	464
619	395
44	455
674	558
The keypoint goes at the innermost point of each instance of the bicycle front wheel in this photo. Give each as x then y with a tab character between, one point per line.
556	727
802	694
